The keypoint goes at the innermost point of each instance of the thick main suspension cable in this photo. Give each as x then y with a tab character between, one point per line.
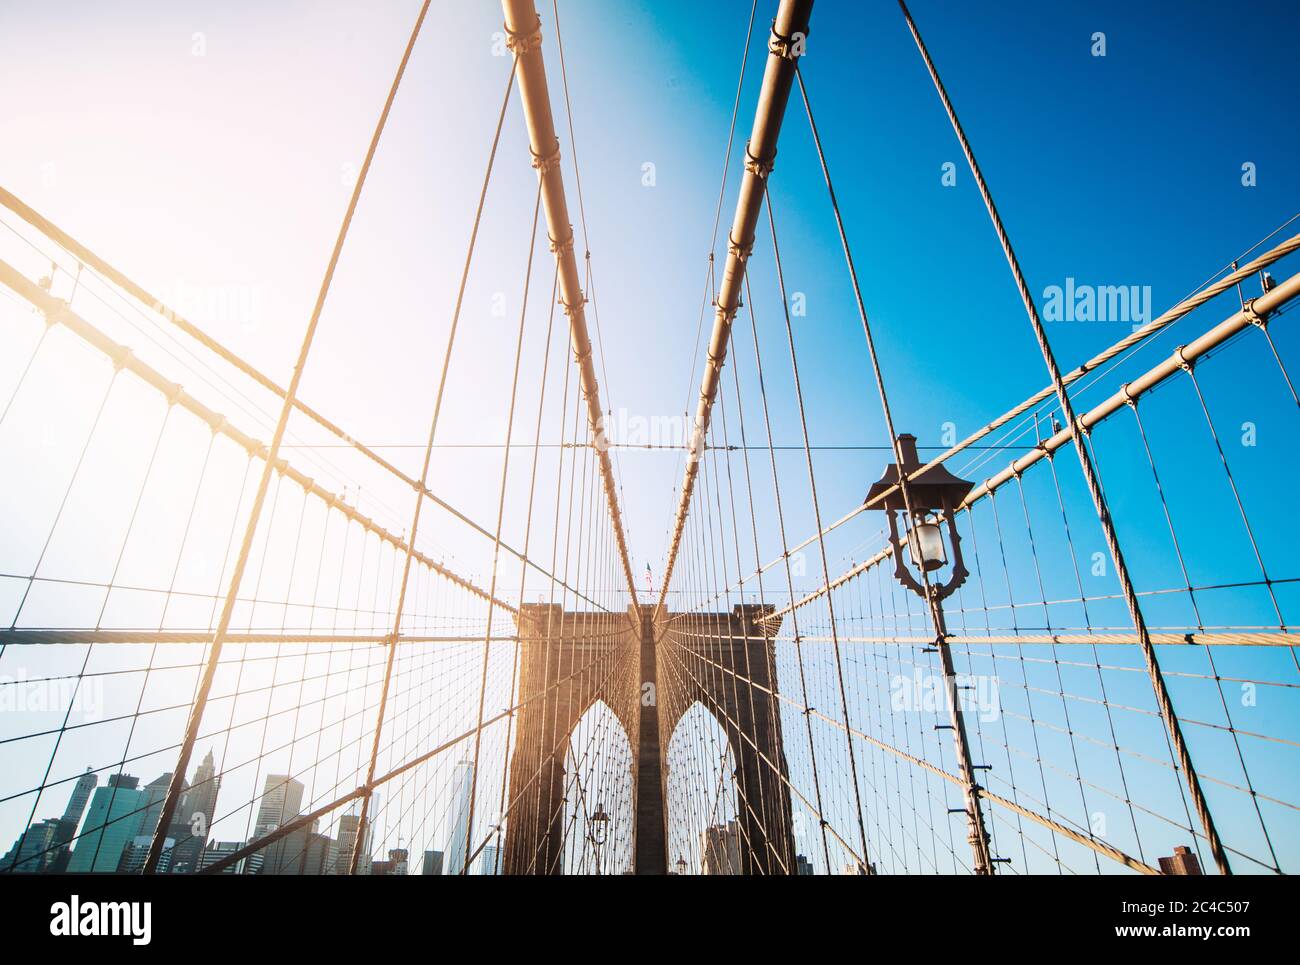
524	38
784	47
1259	306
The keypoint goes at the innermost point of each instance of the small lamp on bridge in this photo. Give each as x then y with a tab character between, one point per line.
934	496
599	824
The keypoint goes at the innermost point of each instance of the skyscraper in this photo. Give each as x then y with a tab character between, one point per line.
462	786
116	814
300	852
77	801
34	850
194	817
137	850
216	850
348	824
81	792
318	854
45	845
281	802
720	847
432	863
487	862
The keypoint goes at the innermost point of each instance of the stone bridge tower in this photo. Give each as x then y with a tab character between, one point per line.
570	660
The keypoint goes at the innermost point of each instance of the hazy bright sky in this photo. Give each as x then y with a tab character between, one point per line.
229	169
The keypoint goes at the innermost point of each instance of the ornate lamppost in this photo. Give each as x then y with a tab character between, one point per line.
598	829
925	506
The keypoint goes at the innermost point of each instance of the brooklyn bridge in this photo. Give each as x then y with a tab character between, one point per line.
369	592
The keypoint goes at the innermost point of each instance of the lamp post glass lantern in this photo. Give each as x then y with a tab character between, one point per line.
925	539
927	508
597	831
599	824
933	497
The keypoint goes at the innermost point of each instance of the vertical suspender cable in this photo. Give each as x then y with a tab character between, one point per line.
177	783
359	841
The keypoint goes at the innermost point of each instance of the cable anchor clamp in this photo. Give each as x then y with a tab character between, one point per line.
757	166
737	250
564	245
787	48
545	163
521	42
1252	316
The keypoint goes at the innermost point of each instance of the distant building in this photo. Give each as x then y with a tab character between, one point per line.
432	863
35	848
397	863
46	845
214	851
400	858
281	802
1183	862
348	825
462	787
720	847
77	801
300	852
802	866
319	855
487	862
194	816
135	853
